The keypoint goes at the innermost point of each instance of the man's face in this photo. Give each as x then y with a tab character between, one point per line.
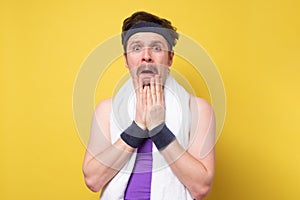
147	54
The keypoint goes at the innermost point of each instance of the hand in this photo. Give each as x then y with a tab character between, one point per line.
141	104
155	103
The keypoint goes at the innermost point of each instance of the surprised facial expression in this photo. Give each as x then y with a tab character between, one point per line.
147	55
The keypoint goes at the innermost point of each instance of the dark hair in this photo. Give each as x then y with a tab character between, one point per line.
142	16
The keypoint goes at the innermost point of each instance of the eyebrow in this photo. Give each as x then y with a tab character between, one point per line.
158	42
135	42
141	42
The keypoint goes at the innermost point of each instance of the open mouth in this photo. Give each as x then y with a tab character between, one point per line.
147	69
147	72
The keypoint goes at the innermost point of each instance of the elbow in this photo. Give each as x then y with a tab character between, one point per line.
92	184
91	181
201	190
200	193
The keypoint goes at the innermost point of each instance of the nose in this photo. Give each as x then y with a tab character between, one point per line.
146	57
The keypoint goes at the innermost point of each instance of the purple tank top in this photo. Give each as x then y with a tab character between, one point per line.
139	184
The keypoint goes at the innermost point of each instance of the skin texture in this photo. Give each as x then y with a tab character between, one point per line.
148	60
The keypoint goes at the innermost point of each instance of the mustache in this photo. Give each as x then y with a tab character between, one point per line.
147	68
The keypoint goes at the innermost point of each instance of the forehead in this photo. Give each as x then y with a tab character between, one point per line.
147	37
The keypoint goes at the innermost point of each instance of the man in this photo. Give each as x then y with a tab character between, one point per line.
154	152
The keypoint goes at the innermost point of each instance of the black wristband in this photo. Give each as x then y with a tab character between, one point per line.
161	136
134	135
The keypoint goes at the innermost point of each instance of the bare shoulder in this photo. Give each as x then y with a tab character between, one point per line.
202	127
102	114
104	106
100	130
200	104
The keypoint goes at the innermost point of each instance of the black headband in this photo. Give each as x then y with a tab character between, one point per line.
148	27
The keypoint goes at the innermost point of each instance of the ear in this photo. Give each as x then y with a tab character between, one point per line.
171	56
125	60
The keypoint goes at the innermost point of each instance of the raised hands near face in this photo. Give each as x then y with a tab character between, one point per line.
141	102
150	105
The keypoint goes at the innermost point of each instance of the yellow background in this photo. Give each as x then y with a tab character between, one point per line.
255	45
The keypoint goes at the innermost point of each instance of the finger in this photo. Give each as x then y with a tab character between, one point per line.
152	90
149	99
140	91
158	89
162	97
144	97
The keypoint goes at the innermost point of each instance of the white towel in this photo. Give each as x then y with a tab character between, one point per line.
164	184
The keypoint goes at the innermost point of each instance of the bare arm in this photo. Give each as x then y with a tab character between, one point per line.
103	160
194	172
195	167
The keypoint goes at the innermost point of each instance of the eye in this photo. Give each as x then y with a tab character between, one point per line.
156	48
136	48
